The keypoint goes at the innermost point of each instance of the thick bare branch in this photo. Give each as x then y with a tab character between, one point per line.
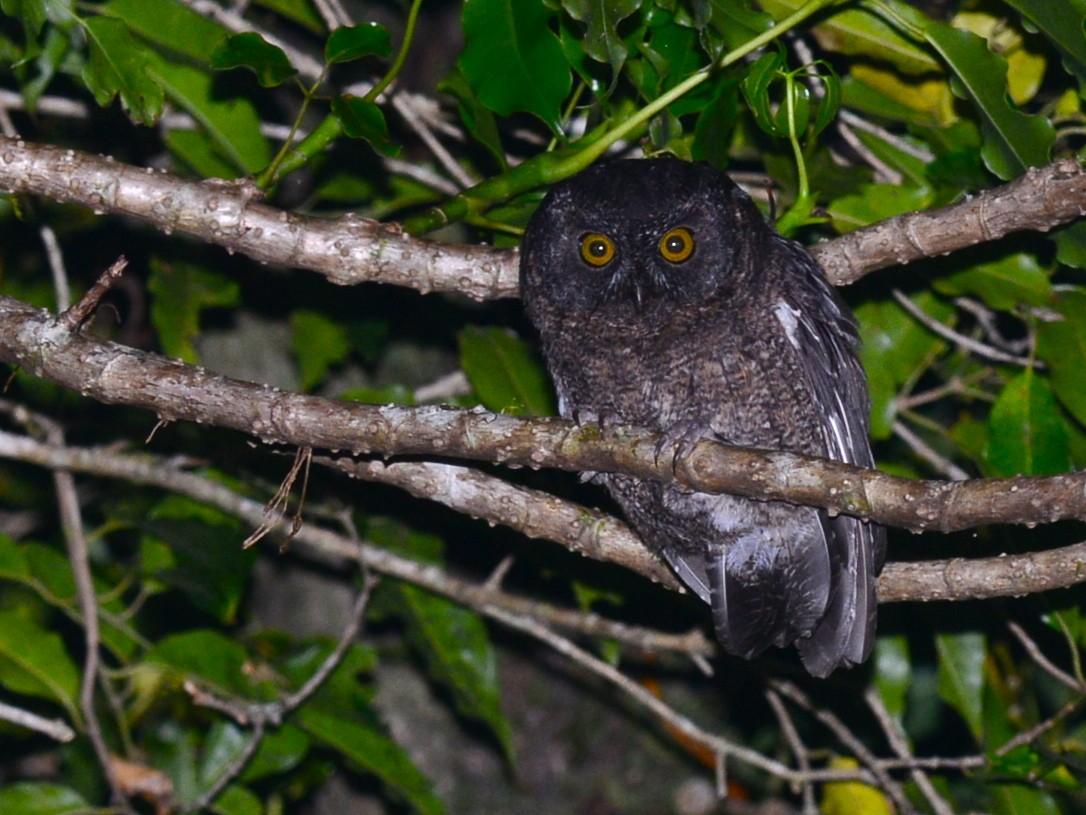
1040	200
115	374
350	250
346	250
112	373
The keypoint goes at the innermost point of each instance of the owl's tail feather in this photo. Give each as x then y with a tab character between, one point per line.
766	588
845	635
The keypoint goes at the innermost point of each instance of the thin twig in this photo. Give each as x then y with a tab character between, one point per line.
799	750
898	744
259	716
1042	661
851	741
53	728
962	341
78	558
72	318
939	463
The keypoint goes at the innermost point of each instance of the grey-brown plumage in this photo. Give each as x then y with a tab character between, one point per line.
663	299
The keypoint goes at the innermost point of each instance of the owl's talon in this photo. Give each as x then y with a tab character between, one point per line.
680	440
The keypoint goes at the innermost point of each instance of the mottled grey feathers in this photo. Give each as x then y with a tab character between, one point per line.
663	299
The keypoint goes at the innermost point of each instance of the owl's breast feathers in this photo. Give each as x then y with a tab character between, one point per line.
766	358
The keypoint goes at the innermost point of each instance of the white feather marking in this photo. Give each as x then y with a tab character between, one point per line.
788	317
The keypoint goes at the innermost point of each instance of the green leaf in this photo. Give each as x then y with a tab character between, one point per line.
364	120
280	751
354	42
118	67
250	50
300	11
169	24
893	673
208	561
1027	432
505	373
1062	23
876	202
228	142
1062	345
961	676
479	121
236	800
375	753
1002	284
512	59
181	291
1070	243
1013	141
857	32
207	655
318	344
895	346
601	40
34	661
1020	799
452	640
456	647
33	798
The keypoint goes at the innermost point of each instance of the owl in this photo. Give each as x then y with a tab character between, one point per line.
664	299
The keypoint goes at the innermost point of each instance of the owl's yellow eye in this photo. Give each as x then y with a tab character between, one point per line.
596	249
677	244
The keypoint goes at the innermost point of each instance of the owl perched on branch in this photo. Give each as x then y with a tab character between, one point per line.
664	299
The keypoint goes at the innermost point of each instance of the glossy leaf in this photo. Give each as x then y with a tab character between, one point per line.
208	562
479	121
1013	141
169	24
37	798
1027	432
35	662
236	800
205	655
375	753
228	142
364	120
505	372
601	39
300	11
117	68
250	50
895	346
280	751
319	343
893	673
512	59
354	42
453	640
961	676
181	292
1061	343
1062	23
1002	284
858	32
458	653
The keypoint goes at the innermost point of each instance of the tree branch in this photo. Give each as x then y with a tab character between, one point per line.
112	373
350	250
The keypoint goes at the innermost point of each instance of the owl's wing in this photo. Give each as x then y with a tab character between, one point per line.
825	338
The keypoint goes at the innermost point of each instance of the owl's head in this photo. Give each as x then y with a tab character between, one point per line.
636	235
